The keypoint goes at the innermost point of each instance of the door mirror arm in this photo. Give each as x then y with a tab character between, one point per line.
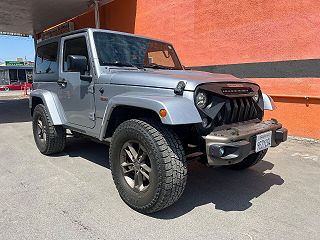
86	78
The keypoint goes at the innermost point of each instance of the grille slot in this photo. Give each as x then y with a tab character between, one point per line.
237	110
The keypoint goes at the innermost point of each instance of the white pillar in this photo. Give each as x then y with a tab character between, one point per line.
96	13
34	36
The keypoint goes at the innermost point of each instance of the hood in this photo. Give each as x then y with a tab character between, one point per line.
170	78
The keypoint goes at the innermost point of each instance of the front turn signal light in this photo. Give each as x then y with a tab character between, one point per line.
163	113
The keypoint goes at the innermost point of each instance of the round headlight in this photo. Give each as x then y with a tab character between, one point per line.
201	100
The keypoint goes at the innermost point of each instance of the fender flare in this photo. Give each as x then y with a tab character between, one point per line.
52	103
180	110
268	103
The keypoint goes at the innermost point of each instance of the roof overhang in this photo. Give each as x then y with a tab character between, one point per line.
34	16
16	67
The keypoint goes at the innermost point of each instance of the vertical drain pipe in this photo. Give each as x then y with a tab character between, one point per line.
96	13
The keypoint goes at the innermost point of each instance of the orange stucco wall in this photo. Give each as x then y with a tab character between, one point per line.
300	117
207	32
118	15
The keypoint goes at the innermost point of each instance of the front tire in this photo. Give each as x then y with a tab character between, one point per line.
148	165
49	139
249	161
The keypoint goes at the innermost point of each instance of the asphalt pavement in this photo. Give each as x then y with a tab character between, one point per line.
72	196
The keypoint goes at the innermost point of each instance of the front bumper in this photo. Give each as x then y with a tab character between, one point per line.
239	140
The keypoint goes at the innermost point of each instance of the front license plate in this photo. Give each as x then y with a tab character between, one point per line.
263	141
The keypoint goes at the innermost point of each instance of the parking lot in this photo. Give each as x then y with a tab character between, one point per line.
72	195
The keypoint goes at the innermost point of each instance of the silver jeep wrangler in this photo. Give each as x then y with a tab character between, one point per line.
133	93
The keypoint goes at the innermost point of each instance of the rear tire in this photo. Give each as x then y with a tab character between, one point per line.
164	159
49	139
249	161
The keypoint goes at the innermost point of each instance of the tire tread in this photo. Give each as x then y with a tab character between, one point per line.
56	135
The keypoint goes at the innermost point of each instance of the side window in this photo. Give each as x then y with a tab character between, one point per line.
46	60
75	46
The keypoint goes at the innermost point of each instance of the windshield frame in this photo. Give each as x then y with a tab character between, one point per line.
175	57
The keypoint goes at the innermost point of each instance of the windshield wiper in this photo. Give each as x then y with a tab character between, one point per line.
120	64
156	66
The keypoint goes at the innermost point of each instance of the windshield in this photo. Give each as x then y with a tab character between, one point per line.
122	50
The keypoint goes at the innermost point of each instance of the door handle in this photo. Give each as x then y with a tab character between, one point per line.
62	82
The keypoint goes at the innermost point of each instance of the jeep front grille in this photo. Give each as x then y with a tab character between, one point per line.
228	104
237	110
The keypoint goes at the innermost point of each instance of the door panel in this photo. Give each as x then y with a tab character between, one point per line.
76	96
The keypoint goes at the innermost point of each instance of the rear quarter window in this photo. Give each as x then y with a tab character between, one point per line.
46	59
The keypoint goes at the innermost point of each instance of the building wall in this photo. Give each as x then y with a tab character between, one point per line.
118	15
85	20
208	32
4	77
13	74
274	42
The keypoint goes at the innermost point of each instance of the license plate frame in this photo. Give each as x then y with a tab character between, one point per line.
263	141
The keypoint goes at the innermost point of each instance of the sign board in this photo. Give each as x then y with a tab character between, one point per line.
14	63
58	30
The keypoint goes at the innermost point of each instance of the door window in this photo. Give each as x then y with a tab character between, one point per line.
75	46
46	60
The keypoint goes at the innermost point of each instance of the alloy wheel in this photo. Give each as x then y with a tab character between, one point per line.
41	132
135	165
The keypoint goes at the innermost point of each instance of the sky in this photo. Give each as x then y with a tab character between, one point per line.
12	47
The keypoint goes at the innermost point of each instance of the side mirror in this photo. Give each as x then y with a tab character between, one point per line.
77	63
